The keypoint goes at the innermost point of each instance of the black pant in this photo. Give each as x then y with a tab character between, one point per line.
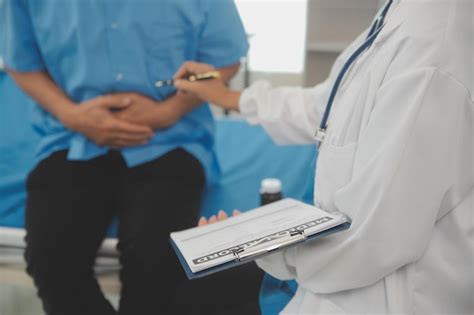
69	207
230	292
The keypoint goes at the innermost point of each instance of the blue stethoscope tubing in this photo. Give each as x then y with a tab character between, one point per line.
375	30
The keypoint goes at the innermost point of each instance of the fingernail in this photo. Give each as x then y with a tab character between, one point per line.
221	215
212	219
236	212
202	221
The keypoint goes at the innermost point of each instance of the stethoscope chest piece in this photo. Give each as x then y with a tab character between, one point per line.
319	136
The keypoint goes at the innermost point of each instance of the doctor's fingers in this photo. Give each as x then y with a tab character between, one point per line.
191	67
212	219
221	215
203	90
202	221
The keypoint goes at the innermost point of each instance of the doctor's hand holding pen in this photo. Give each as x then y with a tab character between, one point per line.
214	91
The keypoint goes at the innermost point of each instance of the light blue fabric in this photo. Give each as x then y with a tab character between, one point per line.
276	294
17	143
91	48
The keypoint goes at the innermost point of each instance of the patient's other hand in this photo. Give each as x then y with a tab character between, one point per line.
221	216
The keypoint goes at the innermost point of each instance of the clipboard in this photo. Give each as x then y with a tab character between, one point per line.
266	244
251	257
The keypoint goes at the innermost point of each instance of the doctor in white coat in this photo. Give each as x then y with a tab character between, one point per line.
397	157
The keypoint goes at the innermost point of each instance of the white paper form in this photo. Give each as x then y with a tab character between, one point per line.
214	244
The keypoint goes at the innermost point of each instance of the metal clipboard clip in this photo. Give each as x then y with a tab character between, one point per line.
260	249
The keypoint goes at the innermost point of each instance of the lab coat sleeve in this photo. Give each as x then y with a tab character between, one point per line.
407	159
291	115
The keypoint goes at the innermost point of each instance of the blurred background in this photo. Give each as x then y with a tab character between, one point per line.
295	42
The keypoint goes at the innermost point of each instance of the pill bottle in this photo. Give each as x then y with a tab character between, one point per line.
270	191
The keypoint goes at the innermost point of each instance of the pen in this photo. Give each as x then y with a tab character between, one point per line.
194	77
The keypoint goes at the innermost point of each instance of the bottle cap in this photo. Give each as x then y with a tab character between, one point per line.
270	186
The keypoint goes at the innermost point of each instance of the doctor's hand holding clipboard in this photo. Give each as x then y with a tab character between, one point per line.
221	216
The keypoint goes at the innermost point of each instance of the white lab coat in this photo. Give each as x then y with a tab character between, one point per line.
398	159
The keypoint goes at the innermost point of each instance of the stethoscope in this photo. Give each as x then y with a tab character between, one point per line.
375	30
